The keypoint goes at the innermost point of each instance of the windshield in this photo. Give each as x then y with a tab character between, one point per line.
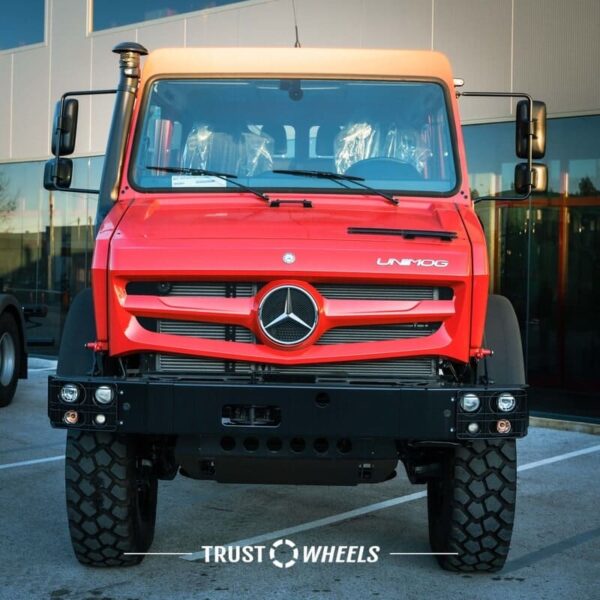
393	135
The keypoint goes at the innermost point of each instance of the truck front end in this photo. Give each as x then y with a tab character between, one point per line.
290	285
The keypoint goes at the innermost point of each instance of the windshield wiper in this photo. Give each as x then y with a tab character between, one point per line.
338	178
224	176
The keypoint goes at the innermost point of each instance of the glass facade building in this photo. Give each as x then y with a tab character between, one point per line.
544	253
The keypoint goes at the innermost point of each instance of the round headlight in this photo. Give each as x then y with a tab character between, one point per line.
104	394
473	428
506	402
470	403
69	393
100	419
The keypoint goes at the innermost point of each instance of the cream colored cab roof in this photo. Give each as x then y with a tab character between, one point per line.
309	63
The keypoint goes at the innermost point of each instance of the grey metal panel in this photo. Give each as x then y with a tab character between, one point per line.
153	34
5	104
31	103
70	62
396	24
335	23
557	53
219	28
476	36
267	24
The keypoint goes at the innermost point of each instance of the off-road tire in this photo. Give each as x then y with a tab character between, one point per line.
10	358
111	499
471	508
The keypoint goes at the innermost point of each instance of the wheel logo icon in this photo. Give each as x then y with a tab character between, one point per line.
273	554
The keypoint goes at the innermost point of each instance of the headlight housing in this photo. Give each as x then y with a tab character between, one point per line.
70	393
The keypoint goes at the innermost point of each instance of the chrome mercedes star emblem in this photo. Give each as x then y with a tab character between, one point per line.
289	258
288	315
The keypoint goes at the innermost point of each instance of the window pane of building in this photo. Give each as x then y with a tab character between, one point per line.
544	257
21	23
46	244
115	13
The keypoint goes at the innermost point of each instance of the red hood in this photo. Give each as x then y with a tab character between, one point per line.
329	219
234	239
185	238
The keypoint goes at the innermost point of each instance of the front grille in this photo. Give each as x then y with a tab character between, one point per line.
376	333
373	372
337	335
333	291
211	331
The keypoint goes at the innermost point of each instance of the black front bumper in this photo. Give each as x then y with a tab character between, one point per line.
333	413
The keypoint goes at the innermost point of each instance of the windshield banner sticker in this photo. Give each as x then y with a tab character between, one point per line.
196	181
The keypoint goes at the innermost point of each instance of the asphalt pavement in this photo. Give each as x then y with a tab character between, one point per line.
555	551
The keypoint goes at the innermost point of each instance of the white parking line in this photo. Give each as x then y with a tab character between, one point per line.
25	463
374	507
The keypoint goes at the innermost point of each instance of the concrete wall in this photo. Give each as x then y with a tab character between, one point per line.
550	48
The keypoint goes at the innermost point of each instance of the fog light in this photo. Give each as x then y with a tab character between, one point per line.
71	417
104	394
506	402
69	393
503	426
469	403
473	428
100	419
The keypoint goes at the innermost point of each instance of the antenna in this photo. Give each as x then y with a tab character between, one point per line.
297	42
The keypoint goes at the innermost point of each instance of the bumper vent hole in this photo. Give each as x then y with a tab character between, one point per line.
321	445
274	444
251	444
227	443
297	445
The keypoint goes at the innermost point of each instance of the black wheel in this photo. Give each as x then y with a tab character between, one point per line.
10	357
471	508
111	498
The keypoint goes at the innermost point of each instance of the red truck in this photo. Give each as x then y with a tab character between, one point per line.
289	285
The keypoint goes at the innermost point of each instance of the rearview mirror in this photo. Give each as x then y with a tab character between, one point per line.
58	173
537	177
64	128
538	120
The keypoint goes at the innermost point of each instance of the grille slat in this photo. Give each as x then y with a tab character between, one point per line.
336	291
220	290
376	333
381	371
211	331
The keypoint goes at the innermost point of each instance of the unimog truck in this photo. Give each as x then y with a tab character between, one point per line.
289	286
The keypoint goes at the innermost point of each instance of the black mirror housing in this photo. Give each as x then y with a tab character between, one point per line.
537	177
64	130
538	119
58	174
